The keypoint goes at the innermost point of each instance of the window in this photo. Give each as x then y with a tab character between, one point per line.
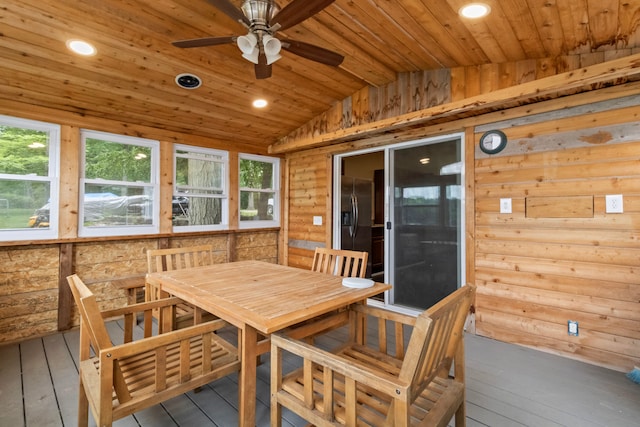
29	156
119	186
259	191
200	199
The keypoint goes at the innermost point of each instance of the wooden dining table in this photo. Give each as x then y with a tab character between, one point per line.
259	298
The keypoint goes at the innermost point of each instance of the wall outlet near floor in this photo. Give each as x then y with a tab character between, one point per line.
572	328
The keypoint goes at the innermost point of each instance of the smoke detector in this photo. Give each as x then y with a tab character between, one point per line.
188	81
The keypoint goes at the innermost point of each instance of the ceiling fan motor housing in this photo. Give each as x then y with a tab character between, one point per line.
260	13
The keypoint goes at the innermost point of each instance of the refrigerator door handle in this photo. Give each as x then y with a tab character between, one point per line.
351	214
354	201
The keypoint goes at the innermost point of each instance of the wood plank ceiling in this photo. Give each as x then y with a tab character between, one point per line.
132	77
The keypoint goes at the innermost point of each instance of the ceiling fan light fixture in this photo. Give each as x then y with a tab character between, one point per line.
474	10
247	44
252	57
272	48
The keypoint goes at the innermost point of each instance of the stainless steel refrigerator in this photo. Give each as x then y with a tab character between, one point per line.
355	215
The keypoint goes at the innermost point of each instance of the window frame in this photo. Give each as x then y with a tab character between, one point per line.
224	197
275	222
52	177
154	184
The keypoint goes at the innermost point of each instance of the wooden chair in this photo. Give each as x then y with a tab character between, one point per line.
117	380
340	262
176	259
382	385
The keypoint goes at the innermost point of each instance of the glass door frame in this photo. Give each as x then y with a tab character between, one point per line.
388	214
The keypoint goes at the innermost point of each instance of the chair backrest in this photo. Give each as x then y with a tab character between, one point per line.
178	258
340	262
90	316
435	339
93	328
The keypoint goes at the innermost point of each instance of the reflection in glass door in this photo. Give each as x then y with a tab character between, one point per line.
425	217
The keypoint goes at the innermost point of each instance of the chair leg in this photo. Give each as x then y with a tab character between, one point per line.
276	413
83	406
461	415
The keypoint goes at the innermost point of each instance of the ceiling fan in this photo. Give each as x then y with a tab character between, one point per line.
263	18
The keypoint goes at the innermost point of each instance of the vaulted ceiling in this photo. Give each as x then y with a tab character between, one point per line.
131	79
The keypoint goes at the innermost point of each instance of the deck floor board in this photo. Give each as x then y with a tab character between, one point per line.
507	385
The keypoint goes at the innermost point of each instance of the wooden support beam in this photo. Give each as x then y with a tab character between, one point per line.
65	299
588	78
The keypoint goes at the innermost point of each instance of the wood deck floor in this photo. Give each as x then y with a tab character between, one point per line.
507	385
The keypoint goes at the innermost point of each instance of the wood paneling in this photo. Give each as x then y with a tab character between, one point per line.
559	207
534	273
309	196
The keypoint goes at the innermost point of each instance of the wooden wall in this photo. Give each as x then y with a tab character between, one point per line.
29	275
308	195
533	274
559	256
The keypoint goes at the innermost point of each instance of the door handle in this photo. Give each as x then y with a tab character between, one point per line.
355	210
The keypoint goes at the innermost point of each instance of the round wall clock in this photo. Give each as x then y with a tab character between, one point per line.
493	141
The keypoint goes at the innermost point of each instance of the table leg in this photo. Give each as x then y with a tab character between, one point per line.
247	380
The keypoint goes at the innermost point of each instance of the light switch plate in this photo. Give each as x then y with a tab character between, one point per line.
317	220
505	205
614	203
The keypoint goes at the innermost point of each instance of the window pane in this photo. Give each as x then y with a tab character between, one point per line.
24	204
197	176
196	211
24	151
117	162
117	205
256	206
259	191
200	193
256	174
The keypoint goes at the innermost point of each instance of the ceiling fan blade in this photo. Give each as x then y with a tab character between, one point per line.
297	11
263	70
229	9
312	52
205	41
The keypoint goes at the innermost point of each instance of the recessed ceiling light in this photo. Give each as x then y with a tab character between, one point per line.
81	47
188	81
260	103
474	10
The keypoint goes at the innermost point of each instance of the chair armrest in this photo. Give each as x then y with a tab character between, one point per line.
381	381
162	340
140	307
382	313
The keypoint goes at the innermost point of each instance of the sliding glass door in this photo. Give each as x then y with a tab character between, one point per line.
425	226
417	239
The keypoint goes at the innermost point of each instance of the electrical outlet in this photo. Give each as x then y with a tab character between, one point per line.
572	328
317	220
614	203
